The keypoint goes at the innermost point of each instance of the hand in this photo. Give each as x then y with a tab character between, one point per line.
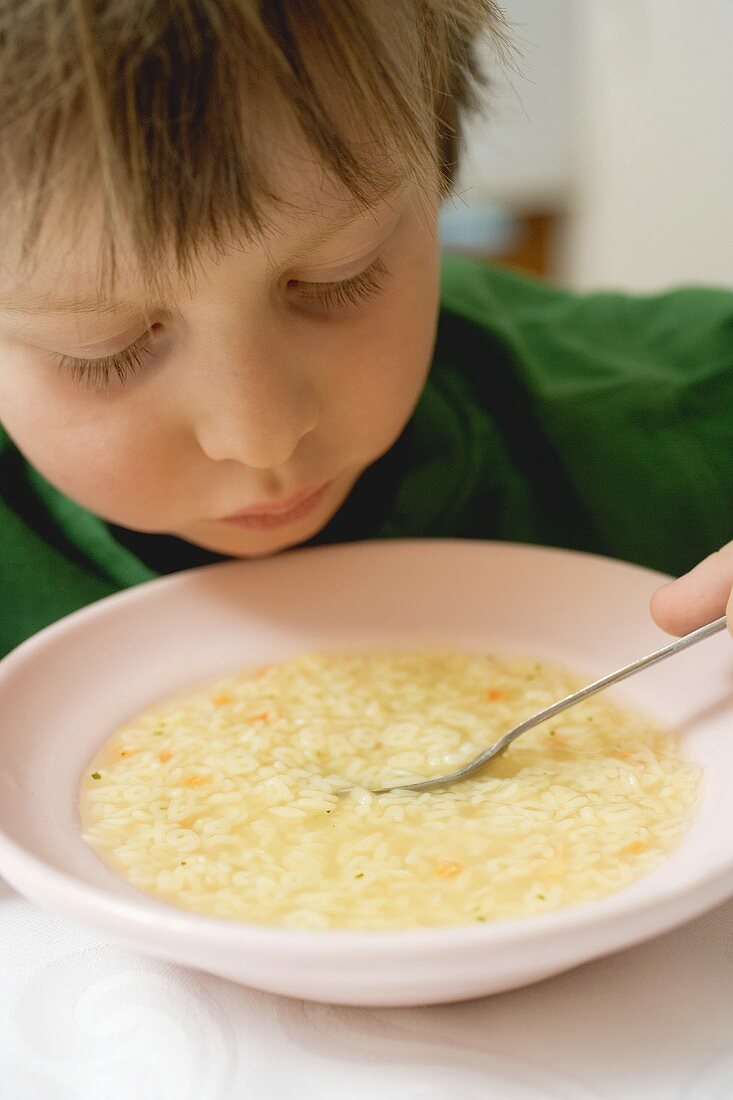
697	597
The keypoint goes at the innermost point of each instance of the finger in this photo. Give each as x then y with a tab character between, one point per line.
696	597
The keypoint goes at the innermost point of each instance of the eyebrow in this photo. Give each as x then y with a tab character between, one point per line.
30	303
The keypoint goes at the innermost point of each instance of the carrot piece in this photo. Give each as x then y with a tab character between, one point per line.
633	849
448	869
193	780
220	700
263	716
164	756
493	694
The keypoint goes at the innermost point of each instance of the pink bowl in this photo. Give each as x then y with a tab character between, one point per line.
65	690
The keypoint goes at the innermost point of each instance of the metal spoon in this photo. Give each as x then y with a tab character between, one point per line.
549	712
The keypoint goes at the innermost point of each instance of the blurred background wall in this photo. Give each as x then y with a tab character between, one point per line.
604	156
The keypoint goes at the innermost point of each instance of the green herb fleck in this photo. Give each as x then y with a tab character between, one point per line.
360	875
96	775
541	897
159	731
183	863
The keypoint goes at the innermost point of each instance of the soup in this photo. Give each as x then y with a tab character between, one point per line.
249	799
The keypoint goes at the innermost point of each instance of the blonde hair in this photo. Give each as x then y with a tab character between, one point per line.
167	104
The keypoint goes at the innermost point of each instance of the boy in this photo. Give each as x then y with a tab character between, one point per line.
219	288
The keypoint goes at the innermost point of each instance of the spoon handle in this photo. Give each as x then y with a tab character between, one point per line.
620	674
569	701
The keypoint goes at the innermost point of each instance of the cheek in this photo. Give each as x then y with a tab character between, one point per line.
97	454
99	467
384	365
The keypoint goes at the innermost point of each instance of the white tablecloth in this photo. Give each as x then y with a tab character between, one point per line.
82	1018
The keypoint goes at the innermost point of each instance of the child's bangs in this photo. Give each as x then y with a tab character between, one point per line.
173	115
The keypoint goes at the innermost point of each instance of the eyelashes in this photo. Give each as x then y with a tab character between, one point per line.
347	292
334	297
97	373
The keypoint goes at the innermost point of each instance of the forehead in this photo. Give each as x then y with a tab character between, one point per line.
68	268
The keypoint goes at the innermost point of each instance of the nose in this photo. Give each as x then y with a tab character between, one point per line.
255	413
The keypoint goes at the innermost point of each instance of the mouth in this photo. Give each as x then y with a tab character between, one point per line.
278	513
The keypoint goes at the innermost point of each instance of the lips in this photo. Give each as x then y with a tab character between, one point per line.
277	513
275	507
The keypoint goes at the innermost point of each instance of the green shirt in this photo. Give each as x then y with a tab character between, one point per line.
601	422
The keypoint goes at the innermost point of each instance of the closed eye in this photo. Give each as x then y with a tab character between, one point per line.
346	292
97	373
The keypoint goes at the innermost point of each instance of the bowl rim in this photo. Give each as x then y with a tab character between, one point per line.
135	592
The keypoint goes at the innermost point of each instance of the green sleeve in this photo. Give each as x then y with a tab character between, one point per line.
55	557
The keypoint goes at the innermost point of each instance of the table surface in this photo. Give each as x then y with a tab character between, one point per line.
83	1018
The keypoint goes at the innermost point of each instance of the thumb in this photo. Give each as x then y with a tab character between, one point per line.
697	597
